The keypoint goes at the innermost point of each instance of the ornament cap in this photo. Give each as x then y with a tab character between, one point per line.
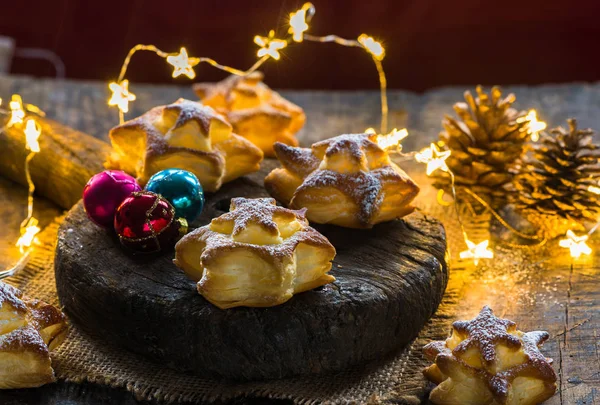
183	226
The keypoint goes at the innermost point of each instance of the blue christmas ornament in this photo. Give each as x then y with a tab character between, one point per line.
182	189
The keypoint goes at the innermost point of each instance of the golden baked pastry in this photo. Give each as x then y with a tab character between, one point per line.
256	112
183	135
487	361
348	180
29	330
256	255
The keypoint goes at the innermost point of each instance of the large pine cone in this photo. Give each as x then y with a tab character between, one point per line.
554	180
485	143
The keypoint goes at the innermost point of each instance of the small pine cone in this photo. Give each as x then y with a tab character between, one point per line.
485	142
552	184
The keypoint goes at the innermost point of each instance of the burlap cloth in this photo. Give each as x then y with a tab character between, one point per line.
397	379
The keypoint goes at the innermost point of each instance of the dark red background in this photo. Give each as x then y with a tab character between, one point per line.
429	42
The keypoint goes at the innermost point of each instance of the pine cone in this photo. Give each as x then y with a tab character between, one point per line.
551	188
485	143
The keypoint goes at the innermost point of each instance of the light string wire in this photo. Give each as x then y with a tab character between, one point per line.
270	47
184	65
19	119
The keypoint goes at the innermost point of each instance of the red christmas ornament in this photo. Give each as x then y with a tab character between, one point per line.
145	222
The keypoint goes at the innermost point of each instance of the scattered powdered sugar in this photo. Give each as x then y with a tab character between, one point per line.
192	110
485	332
257	211
352	144
12	296
364	188
300	161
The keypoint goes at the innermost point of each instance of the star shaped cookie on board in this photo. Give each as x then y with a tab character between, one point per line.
348	180
257	255
488	361
184	135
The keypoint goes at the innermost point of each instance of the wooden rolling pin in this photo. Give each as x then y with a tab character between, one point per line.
66	161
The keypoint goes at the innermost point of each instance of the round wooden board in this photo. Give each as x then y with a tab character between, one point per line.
390	280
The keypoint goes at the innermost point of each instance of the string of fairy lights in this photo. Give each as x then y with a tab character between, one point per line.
19	119
22	117
270	47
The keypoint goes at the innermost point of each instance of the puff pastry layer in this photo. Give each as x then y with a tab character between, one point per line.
184	135
487	361
347	180
256	112
256	255
29	330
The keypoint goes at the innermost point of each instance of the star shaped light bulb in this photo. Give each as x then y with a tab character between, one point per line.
373	47
434	158
32	133
477	251
535	126
392	139
576	244
28	233
269	45
17	114
121	95
183	65
298	24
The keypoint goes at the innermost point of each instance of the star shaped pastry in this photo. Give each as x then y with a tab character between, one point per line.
488	361
183	65
29	330
256	112
184	135
347	180
257	255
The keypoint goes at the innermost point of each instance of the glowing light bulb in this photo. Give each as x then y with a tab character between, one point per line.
28	234
392	139
298	24
576	244
535	126
477	251
17	114
121	95
373	47
269	45
434	158
32	133
183	65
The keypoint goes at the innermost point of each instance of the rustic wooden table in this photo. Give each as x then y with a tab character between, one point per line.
548	291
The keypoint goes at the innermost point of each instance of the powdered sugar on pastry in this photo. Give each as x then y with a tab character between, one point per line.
488	361
348	180
184	135
256	255
256	112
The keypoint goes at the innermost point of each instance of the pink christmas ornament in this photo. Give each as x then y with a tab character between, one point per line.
103	194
